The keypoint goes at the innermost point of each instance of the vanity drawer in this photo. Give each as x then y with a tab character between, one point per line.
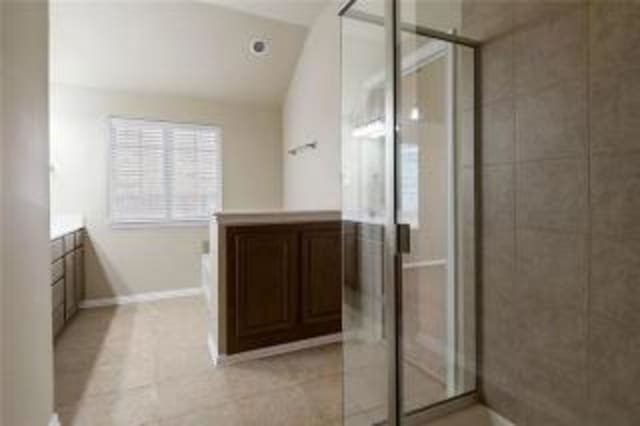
57	294
57	249
57	320
57	270
79	275
69	281
69	242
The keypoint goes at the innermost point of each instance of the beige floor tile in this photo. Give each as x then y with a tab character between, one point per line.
325	395
181	396
149	365
179	338
314	363
361	419
250	378
135	407
420	387
367	387
286	407
221	415
177	362
75	385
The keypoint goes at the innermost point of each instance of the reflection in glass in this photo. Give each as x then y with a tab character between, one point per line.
434	196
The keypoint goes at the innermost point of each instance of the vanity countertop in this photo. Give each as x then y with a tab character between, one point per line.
64	224
248	217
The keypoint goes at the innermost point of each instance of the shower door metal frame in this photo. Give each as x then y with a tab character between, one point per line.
393	230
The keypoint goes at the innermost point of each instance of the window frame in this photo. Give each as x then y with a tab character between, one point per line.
167	222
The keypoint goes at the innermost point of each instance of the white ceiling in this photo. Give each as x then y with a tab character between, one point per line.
301	12
184	48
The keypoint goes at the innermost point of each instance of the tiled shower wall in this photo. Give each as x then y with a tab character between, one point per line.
560	168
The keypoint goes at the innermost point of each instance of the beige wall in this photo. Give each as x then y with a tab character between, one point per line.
1	215
312	112
27	379
122	262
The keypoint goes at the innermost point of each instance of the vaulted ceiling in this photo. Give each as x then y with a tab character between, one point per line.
301	12
180	47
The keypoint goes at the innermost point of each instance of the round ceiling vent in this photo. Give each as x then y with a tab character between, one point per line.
260	47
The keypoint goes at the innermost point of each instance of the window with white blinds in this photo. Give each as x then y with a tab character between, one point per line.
162	172
409	175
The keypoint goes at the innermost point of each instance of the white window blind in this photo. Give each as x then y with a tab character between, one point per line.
409	171
163	172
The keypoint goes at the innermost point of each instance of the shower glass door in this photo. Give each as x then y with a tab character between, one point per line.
368	218
408	210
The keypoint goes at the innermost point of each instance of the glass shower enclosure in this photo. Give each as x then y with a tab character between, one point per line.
409	204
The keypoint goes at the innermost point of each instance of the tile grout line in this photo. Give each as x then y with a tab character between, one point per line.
515	379
588	259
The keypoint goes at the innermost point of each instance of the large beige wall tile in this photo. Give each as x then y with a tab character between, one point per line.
496	69
570	357
615	110
553	338
498	132
552	123
614	372
614	289
500	356
498	228
551	50
486	20
615	35
552	194
552	268
615	194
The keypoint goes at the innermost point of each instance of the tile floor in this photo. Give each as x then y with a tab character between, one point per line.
148	364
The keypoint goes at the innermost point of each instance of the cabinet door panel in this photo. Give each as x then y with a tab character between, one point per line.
57	270
70	286
79	277
57	319
69	242
57	249
262	286
351	264
321	279
57	294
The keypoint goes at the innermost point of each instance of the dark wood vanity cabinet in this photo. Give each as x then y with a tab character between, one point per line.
320	261
283	283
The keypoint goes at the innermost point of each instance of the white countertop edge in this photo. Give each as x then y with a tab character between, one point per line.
275	216
62	225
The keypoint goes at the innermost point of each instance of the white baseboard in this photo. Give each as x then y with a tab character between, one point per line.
54	420
222	360
140	298
213	349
